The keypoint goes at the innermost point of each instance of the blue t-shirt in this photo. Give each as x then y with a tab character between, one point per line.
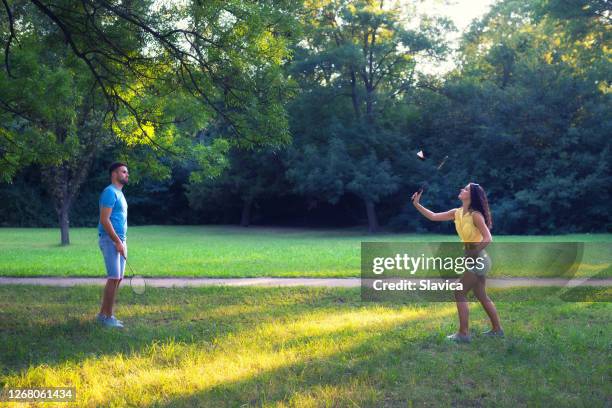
113	198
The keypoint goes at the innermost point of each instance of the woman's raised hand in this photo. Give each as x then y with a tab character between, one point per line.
416	197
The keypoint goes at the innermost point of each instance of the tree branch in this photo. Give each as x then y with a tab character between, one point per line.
7	48
68	36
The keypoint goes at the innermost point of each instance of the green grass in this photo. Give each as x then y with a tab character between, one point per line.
301	347
229	251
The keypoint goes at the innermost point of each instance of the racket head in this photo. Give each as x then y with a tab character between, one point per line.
138	284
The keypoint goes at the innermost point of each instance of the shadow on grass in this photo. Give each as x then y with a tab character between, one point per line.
323	379
410	363
50	326
392	362
403	376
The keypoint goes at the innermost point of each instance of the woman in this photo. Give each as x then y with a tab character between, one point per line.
472	221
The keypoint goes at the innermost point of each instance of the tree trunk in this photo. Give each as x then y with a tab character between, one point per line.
354	96
245	220
63	202
372	218
370	105
64	222
63	186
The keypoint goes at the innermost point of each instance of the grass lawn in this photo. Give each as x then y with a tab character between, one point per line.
301	347
229	251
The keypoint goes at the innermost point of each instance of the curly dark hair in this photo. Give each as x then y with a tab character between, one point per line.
479	202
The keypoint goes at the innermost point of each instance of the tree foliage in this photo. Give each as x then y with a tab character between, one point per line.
225	106
355	63
80	76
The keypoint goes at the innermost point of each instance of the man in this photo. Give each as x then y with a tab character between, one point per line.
112	230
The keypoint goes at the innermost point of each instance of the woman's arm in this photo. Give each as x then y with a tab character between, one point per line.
430	215
479	222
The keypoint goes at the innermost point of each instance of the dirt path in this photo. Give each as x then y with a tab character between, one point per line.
316	282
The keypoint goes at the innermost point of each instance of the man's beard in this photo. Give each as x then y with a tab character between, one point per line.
123	181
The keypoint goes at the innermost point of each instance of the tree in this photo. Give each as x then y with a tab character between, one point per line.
250	176
50	116
60	120
533	95
357	60
125	70
226	53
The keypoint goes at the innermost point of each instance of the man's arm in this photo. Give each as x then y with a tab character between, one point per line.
105	213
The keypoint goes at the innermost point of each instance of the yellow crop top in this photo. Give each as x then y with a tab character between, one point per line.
464	223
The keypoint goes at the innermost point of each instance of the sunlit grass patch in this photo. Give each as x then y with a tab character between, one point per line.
299	347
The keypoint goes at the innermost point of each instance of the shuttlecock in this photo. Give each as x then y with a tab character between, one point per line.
421	155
